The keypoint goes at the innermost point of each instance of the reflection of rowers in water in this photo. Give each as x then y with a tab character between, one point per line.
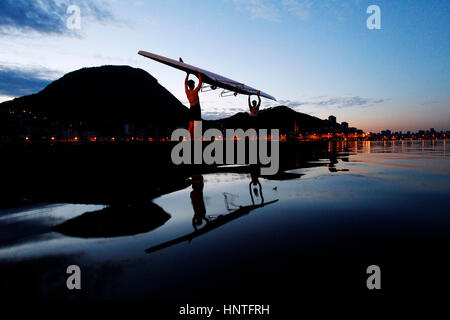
198	204
211	225
254	191
200	211
333	162
255	169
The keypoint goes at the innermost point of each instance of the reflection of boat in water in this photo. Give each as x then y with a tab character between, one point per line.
115	221
211	225
216	221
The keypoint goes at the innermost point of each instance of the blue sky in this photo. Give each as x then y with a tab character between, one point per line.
317	57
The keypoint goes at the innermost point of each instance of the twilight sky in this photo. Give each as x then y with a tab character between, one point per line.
317	57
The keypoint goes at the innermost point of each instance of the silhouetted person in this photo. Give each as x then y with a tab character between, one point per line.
198	203
254	106
254	184
194	101
333	162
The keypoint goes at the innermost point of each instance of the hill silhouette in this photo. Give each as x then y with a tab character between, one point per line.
123	101
105	94
281	117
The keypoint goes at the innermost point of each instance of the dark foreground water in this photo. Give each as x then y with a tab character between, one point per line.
310	234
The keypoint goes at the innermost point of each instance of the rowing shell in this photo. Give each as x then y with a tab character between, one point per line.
213	79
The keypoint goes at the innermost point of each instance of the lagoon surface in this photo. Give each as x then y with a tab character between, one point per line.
311	232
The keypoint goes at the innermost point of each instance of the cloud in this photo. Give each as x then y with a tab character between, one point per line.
289	103
260	9
46	16
299	9
219	113
332	102
16	82
428	102
302	9
5	98
344	102
214	115
212	112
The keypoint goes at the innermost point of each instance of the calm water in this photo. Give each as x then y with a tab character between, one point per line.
384	203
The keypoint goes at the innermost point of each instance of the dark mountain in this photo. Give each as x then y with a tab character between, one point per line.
105	94
121	102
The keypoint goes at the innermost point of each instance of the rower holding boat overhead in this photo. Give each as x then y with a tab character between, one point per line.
254	106
194	101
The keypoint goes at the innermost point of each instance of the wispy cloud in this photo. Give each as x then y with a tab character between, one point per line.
301	9
429	102
288	103
46	16
298	8
261	9
332	102
5	98
15	82
213	113
318	103
346	102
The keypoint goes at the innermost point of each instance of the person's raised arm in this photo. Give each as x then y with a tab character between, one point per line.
259	101
249	102
200	82
185	82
